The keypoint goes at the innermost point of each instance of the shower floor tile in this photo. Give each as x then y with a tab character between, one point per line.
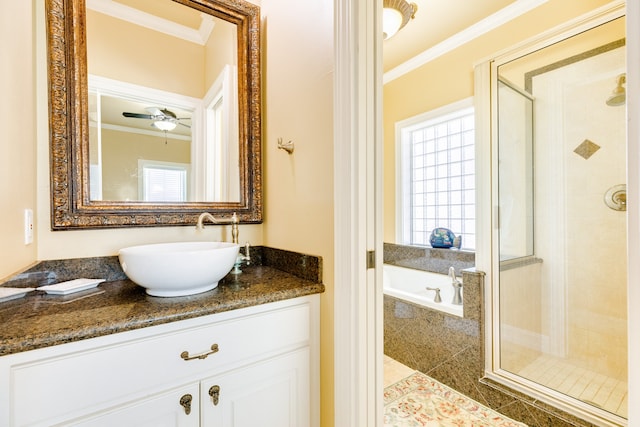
594	388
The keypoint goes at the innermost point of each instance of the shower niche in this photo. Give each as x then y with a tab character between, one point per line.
559	262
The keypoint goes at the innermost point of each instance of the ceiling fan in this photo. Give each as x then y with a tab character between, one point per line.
162	118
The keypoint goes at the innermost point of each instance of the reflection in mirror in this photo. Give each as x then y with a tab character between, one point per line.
155	111
184	50
562	252
124	150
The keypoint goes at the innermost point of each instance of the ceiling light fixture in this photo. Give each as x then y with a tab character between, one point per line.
164	124
395	15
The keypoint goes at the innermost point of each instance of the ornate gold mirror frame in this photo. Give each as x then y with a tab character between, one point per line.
71	207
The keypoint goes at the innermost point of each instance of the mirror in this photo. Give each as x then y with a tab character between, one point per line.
155	111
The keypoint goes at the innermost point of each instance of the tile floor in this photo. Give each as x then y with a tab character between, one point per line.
605	392
394	371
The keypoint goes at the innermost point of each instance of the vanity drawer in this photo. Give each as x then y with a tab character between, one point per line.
64	386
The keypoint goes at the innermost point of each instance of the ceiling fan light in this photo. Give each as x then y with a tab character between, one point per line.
164	125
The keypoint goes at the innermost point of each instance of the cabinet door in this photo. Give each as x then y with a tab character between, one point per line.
179	407
273	393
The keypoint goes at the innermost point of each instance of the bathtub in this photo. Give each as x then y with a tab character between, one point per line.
409	285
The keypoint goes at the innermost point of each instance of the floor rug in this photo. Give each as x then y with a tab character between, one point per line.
419	400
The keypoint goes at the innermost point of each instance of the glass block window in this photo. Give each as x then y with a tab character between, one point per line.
437	175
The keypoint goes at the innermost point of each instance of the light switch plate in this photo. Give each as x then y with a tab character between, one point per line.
28	226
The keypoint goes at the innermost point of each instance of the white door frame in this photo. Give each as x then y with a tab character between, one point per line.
633	206
358	207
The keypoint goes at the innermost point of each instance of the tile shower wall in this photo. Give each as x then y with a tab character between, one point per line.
449	348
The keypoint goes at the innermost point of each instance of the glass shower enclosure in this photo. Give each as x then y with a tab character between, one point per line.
559	194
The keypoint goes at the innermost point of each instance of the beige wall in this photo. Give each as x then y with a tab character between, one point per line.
219	51
17	135
298	77
179	66
449	78
121	152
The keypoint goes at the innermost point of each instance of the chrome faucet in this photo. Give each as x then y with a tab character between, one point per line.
457	287
234	221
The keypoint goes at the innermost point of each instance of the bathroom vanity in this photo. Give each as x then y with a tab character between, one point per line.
243	354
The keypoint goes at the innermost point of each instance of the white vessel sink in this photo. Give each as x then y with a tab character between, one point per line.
178	269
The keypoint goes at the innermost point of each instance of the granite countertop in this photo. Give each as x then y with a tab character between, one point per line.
40	320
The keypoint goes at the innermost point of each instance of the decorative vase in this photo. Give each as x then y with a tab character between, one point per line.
442	238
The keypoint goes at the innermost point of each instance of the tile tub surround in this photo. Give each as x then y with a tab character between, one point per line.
427	258
40	320
450	350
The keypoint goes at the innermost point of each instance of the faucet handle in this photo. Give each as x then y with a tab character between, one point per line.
240	258
247	255
437	297
454	280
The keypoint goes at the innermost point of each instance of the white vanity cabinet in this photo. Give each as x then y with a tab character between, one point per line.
257	366
270	394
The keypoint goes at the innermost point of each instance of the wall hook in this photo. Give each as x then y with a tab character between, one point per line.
288	147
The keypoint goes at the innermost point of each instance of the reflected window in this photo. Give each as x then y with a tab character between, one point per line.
437	174
163	182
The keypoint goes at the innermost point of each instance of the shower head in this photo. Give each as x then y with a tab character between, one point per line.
618	96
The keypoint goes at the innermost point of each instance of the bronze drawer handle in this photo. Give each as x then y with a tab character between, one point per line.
185	354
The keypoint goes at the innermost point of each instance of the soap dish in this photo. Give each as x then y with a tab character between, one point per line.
7	294
70	286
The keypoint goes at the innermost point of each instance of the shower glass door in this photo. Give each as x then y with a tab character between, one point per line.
561	152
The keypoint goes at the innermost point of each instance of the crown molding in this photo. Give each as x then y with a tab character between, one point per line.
152	22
